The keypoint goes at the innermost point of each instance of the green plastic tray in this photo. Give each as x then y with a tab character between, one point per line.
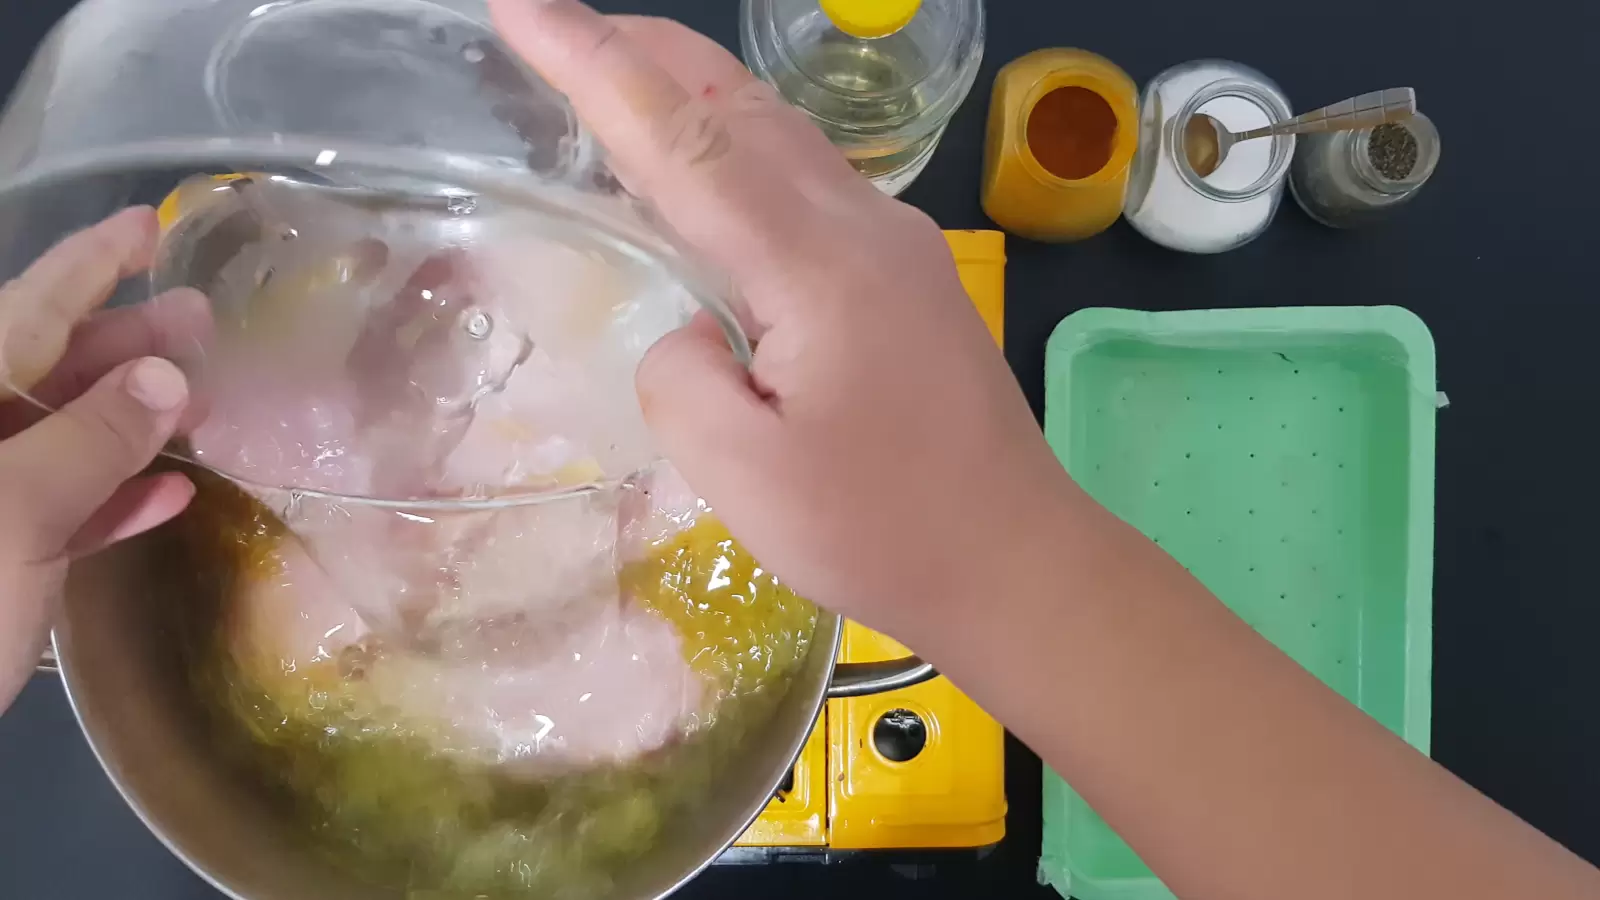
1286	457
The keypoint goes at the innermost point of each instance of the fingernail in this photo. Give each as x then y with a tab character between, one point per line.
157	385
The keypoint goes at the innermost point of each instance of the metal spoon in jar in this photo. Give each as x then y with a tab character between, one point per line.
1206	142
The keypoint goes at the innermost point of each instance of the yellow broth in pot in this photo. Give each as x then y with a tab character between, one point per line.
391	796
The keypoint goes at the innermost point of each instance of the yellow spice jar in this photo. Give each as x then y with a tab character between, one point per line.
1063	127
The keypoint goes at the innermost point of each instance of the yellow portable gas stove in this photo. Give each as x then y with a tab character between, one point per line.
912	770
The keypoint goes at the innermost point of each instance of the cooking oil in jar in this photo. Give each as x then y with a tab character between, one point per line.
852	88
881	79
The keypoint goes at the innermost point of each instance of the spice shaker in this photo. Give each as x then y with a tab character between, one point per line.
1168	201
880	77
1063	125
1350	178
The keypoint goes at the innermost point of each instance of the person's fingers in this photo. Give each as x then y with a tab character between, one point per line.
701	65
737	208
136	507
56	474
176	325
39	309
755	114
719	428
694	392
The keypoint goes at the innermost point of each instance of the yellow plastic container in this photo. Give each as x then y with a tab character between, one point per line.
1063	127
981	262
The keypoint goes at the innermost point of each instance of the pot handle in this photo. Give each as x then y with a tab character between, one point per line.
864	679
47	660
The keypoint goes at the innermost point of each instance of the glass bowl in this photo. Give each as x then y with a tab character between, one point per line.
424	284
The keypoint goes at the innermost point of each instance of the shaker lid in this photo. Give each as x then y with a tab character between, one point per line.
871	18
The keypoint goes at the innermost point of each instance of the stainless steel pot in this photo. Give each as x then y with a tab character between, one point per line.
114	646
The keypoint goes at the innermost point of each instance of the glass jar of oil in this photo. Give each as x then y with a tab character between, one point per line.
881	77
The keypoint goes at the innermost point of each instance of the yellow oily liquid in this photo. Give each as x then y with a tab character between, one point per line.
741	628
383	806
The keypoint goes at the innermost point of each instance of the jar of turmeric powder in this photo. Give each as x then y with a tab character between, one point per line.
1063	127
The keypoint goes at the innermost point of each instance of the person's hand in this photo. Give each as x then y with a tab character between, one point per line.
70	481
878	455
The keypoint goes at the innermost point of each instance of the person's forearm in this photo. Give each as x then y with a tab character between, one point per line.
1229	769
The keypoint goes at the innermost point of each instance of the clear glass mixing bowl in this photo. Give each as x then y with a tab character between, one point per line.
427	289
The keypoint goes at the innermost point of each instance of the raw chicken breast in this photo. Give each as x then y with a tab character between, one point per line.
288	629
660	505
504	362
386	418
604	687
306	438
500	635
493	679
534	560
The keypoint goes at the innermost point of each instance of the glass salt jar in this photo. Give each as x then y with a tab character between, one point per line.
1168	201
1349	178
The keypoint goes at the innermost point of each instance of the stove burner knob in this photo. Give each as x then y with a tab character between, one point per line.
900	735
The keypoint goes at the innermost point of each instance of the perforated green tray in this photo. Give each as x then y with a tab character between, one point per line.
1286	457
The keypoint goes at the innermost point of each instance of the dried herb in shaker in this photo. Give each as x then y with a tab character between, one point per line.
1348	178
1392	149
